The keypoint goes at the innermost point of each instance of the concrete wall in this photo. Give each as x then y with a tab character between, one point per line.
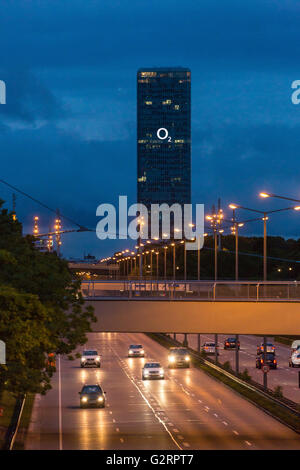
270	318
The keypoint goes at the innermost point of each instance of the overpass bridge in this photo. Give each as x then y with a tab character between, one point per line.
255	307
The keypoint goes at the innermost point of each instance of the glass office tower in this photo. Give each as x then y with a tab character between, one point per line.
164	135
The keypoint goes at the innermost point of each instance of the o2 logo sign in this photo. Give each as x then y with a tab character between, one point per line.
163	134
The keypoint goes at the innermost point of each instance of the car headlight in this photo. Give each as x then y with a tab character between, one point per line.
100	399
83	360
146	372
171	358
130	352
84	399
187	358
142	351
161	372
98	358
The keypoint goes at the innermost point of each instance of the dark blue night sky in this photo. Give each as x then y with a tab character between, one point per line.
68	130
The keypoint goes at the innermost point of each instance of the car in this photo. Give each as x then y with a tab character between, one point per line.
136	350
153	370
269	347
230	343
210	348
295	359
90	357
295	346
179	357
92	396
270	361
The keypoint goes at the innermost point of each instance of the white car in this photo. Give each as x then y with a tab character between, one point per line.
295	359
153	370
136	350
210	348
90	357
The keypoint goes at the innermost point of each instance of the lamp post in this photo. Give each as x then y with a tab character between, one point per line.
215	221
157	272
184	259
174	261
151	253
165	262
264	218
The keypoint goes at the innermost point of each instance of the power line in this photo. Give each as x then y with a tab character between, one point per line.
43	205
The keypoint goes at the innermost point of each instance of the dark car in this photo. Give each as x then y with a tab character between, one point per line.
230	343
92	396
179	357
270	361
270	348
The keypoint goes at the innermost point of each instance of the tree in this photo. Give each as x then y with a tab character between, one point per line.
31	280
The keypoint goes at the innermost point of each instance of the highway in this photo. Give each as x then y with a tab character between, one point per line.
283	376
187	410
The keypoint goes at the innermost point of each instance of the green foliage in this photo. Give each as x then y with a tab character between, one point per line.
245	375
278	393
227	366
41	309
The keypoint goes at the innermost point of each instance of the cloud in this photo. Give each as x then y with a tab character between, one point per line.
28	99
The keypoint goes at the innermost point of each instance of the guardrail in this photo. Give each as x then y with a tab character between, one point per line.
193	290
283	403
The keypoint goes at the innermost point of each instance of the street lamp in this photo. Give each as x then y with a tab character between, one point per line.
157	254
165	262
266	195
265	218
174	260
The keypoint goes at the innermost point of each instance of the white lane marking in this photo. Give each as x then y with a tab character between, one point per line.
117	429
59	405
248	443
225	424
215	414
175	430
235	432
121	439
114	420
186	444
180	437
149	404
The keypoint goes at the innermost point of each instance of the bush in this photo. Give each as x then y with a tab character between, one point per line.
227	366
245	375
278	393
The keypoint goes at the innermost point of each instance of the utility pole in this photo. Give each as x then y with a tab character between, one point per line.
57	228
14	215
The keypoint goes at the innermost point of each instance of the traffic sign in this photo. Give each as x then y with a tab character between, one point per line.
265	369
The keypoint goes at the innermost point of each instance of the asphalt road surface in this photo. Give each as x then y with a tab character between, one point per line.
283	376
187	410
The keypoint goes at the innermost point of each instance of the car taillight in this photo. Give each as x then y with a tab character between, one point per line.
275	361
261	361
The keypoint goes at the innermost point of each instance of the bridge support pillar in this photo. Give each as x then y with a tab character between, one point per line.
199	343
185	341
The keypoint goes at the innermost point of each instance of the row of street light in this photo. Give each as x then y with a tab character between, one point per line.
128	257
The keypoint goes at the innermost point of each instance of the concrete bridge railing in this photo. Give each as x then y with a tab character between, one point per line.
255	291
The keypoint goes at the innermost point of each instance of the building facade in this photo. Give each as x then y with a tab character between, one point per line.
164	136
